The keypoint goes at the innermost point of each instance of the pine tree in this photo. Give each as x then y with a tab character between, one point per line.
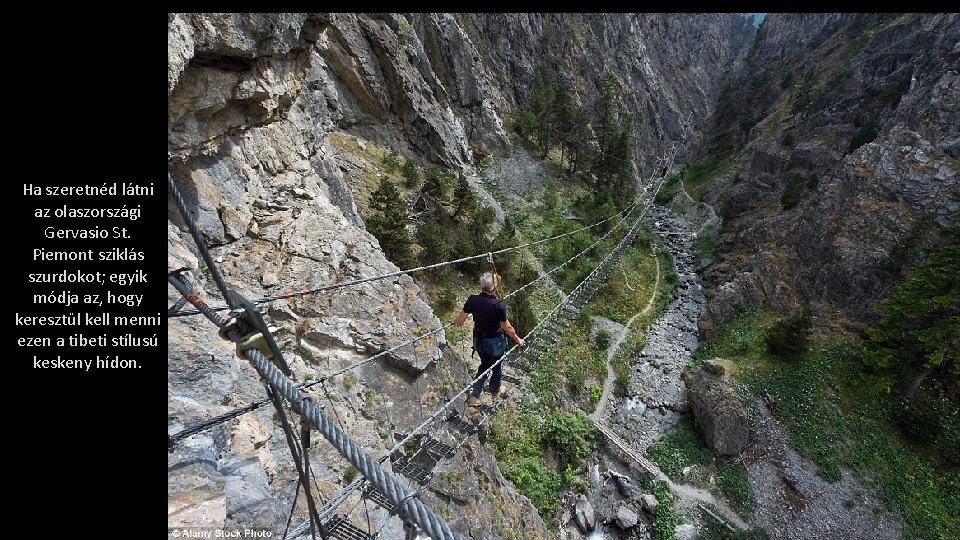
463	197
919	333
435	185
388	223
577	139
391	161
432	237
411	175
613	161
544	107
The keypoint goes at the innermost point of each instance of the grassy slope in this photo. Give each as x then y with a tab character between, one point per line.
836	420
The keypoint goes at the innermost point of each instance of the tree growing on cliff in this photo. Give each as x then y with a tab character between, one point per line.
545	107
436	184
613	161
463	198
919	332
411	175
388	223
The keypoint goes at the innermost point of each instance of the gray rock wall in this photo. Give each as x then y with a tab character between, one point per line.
864	213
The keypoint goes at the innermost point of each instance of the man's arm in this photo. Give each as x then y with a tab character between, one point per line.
461	318
508	328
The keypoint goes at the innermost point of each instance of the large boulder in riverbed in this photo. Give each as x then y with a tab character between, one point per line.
584	515
720	416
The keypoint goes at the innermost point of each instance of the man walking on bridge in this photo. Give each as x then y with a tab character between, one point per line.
490	324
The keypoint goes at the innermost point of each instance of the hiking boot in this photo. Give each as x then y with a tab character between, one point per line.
473	401
496	394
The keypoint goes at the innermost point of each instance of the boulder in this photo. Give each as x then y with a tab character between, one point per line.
686	531
649	502
719	415
584	515
626	517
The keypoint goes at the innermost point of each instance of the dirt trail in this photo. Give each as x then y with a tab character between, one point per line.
622	332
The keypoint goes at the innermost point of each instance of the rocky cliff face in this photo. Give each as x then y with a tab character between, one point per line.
848	165
668	65
256	103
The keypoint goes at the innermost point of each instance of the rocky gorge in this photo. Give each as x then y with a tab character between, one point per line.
273	124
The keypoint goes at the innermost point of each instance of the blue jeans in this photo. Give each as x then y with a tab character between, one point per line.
490	350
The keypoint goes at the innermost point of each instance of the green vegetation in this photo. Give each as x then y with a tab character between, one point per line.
797	186
350	474
666	518
588	171
571	434
916	344
698	176
411	174
391	161
634	342
694	178
920	326
682	447
519	445
552	121
669	189
629	287
388	223
787	338
714	530
864	134
839	418
602	339
561	388
703	244
789	140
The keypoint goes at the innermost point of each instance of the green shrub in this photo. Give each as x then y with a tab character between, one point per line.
537	481
621	385
350	474
391	161
602	339
864	135
446	301
411	174
571	434
787	338
665	518
788	139
793	191
576	373
668	190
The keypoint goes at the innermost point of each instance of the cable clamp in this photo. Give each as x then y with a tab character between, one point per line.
254	341
231	327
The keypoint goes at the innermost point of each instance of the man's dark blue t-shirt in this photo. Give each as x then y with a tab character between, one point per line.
488	312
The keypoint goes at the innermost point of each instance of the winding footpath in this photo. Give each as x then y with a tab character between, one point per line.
620	333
